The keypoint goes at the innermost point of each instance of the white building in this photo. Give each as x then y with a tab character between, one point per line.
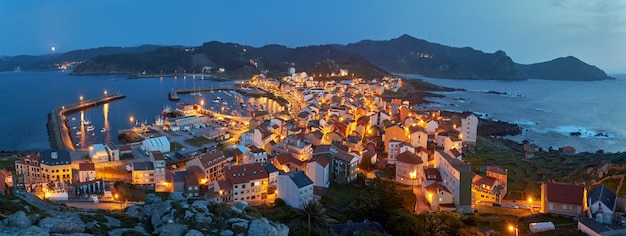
457	178
160	144
295	188
159	171
98	153
418	137
318	170
143	173
252	137
86	172
469	129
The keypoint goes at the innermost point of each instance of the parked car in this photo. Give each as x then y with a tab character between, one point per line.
496	204
513	206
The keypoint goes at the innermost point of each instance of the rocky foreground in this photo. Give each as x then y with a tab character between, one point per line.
175	216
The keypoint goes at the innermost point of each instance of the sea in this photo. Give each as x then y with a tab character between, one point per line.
26	98
587	115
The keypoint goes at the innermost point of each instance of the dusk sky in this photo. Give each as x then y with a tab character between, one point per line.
528	31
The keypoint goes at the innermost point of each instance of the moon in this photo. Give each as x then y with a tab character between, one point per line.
53	49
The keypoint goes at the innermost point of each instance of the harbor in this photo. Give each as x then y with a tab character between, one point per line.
58	131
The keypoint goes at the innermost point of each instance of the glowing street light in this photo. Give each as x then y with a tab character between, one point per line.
514	229
530	204
105	93
131	121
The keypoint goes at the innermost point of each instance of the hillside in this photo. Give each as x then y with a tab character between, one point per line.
409	55
563	68
49	61
236	60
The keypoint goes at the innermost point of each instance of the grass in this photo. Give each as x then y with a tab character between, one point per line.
337	198
8	164
198	141
526	175
174	146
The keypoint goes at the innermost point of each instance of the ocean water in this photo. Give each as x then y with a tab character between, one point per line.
549	111
26	98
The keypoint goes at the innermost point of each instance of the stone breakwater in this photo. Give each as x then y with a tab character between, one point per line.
58	131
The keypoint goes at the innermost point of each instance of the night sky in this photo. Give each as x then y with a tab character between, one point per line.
529	31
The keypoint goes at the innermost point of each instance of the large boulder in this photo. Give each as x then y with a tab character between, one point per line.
62	226
242	206
134	211
178	197
235	220
19	220
151	198
172	230
121	231
199	206
282	229
33	230
194	232
204	217
259	227
227	232
159	213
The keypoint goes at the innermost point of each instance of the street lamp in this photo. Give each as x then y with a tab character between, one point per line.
530	204
105	93
514	229
119	200
81	99
131	121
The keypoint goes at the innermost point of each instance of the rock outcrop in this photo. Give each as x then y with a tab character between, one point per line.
175	216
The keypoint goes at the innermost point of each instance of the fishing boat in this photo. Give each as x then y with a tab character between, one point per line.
103	130
79	133
91	128
86	122
73	118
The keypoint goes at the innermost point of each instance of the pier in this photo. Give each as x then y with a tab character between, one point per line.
58	131
173	95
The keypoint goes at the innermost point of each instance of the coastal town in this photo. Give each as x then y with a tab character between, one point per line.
318	134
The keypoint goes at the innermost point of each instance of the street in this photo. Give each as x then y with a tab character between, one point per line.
101	205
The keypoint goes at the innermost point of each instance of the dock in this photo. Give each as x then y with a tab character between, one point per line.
58	131
173	95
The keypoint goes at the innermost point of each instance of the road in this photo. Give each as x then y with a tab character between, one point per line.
100	205
421	205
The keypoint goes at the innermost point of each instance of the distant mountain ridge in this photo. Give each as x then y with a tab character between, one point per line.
563	68
367	58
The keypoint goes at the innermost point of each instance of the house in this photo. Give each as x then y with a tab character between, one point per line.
469	129
567	151
318	170
431	175
6	181
143	173
252	137
113	150
295	188
344	167
192	186
254	154
272	173
157	144
98	153
452	142
409	169
394	132
287	163
294	145
563	199
86	172
56	166
439	197
395	148
530	150
211	163
418	136
28	169
431	126
159	171
601	201
457	178
249	182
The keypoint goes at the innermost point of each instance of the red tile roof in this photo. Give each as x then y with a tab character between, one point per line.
436	187
191	180
565	193
245	173
89	166
430	172
479	180
323	161
496	169
158	156
194	170
224	185
409	157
